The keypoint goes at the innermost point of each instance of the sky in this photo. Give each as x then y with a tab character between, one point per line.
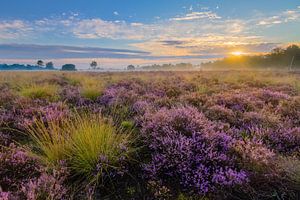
117	33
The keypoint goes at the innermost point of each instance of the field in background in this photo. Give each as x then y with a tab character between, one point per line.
154	135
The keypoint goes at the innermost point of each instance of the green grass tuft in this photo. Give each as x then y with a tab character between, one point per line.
44	91
81	141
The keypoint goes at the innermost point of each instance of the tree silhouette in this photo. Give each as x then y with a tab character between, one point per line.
40	63
68	67
94	64
130	67
49	65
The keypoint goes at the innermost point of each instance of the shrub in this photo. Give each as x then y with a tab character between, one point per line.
221	113
16	166
189	152
284	140
44	187
255	156
289	109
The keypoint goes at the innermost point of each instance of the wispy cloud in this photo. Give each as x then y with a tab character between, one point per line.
197	15
284	17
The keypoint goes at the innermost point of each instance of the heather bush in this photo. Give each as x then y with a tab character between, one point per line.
259	119
221	113
254	155
271	97
6	98
189	152
289	109
238	101
291	166
44	187
284	140
51	112
5	139
16	166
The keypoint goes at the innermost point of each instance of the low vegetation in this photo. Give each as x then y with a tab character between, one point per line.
150	135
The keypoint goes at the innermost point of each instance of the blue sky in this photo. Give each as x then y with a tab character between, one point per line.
121	32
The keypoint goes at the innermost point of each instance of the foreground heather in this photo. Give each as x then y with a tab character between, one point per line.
211	135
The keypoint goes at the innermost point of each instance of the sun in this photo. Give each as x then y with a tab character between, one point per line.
237	53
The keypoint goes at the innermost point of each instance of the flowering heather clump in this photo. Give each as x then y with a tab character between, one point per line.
141	107
6	98
221	113
44	187
238	101
16	166
194	99
272	97
189	151
258	119
7	118
284	140
71	95
4	139
254	153
289	109
51	112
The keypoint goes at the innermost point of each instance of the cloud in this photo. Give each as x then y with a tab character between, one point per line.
116	13
98	28
29	51
283	17
13	29
197	15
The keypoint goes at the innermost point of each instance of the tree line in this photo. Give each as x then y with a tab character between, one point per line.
278	58
40	65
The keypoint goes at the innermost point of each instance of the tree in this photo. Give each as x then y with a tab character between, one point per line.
40	63
94	64
68	67
49	65
130	67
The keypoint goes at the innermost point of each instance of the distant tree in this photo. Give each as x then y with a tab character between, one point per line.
277	51
130	67
40	63
49	65
68	67
94	64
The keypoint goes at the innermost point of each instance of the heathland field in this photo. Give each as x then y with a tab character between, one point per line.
150	135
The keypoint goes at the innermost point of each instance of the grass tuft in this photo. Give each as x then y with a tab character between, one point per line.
44	91
81	141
